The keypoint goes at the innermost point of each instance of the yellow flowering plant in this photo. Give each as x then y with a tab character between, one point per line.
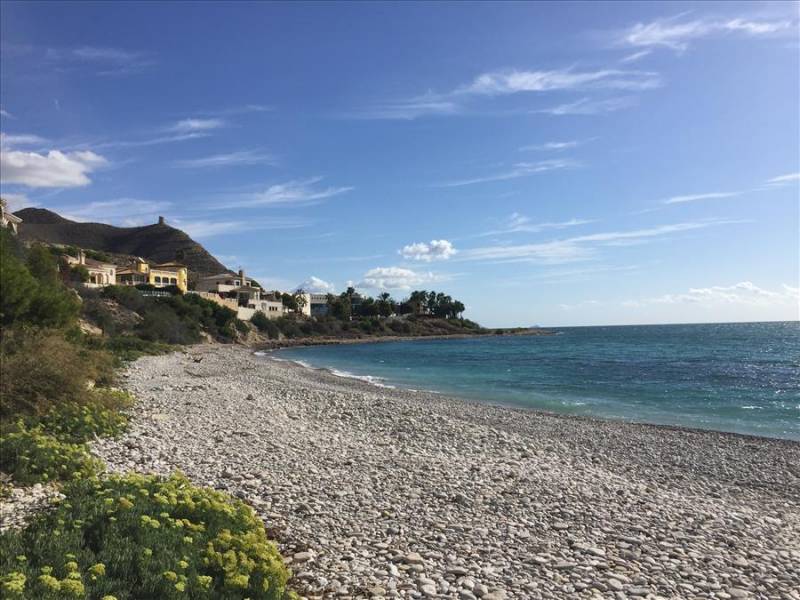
140	549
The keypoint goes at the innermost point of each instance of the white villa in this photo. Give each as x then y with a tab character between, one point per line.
240	293
8	219
101	273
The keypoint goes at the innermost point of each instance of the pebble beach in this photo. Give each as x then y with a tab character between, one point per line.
373	492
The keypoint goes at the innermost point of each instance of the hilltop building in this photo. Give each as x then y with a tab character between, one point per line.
101	273
157	275
8	219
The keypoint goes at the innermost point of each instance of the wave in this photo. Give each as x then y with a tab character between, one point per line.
376	381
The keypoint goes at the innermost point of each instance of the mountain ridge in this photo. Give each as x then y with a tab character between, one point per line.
157	242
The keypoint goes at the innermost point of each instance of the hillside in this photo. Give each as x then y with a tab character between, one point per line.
158	242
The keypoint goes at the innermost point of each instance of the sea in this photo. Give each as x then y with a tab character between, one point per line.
735	377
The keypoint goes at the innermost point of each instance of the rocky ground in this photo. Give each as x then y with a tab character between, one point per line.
19	504
377	492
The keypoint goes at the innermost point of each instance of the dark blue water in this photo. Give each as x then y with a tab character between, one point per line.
742	377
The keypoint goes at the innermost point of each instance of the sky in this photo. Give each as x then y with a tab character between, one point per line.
546	163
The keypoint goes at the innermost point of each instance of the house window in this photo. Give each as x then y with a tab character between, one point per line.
173	280
158	279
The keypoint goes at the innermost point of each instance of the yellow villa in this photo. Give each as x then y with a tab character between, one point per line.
158	275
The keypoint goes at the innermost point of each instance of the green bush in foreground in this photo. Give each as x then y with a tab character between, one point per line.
140	537
32	456
77	423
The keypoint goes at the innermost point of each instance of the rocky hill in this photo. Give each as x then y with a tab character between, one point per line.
158	242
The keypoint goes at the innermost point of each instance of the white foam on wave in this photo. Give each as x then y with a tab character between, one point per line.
259	353
376	381
753	407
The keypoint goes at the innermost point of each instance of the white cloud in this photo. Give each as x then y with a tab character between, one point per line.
744	292
588	106
695	197
6	114
315	285
242	158
517	223
54	169
298	192
512	82
523	169
788	178
428	252
676	35
395	278
195	125
556	146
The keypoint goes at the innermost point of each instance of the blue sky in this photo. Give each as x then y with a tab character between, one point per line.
557	164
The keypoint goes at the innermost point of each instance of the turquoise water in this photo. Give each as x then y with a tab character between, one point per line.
742	377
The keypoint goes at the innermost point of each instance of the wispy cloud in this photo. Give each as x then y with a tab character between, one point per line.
635	56
579	247
499	83
232	159
590	106
236	110
465	99
524	169
153	141
518	223
676	33
125	212
695	197
788	178
407	110
297	192
556	146
744	292
428	251
6	114
196	125
206	228
104	60
10	140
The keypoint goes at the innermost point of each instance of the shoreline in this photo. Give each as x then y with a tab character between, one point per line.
334	341
366	379
379	492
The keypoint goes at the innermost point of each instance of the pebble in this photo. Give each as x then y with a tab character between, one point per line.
415	495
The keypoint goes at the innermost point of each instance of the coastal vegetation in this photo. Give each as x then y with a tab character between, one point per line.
350	315
118	537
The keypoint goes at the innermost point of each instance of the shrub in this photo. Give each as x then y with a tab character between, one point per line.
32	293
80	423
241	326
137	537
41	369
31	456
128	347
